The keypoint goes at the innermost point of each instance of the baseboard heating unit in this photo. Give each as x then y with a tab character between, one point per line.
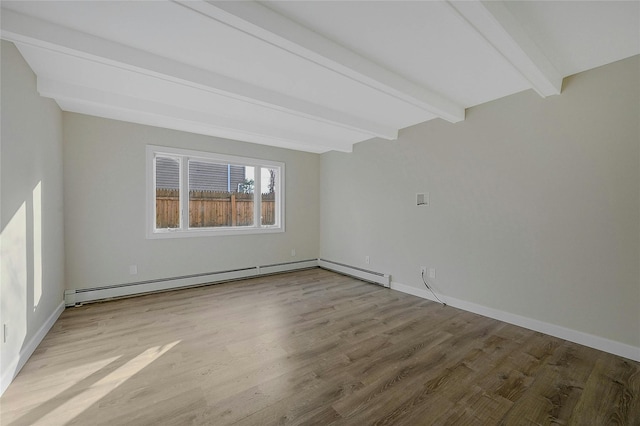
73	297
363	274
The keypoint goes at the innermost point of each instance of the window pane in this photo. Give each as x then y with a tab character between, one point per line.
220	195
167	193
269	181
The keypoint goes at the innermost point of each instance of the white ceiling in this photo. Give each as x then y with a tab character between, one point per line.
313	76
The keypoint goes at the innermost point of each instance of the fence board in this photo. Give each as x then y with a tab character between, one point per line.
212	209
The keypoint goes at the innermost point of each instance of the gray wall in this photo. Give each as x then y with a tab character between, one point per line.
104	177
32	259
534	205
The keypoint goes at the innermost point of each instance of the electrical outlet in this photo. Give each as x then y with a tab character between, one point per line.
423	270
367	260
293	252
432	273
133	269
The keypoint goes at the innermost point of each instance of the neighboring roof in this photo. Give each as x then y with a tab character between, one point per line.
202	176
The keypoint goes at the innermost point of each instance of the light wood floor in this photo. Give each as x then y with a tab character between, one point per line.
310	347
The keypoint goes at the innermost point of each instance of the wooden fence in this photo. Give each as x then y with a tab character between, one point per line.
211	209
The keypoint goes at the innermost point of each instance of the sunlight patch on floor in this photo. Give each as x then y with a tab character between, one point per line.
76	405
56	383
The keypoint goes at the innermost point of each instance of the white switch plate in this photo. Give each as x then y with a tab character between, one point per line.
133	269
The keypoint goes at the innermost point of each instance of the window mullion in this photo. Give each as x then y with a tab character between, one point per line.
152	197
184	193
257	197
278	189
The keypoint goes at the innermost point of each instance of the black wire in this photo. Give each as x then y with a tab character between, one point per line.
431	290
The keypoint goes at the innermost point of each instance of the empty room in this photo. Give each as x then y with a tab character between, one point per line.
320	212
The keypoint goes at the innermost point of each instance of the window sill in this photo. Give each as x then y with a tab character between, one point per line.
212	232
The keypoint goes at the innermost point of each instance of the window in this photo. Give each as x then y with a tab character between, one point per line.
192	193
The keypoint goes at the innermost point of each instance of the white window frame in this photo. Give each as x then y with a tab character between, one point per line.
184	155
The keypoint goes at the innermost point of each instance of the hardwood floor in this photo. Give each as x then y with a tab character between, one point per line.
310	347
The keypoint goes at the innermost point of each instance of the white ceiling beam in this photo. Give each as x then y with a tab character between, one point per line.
266	25
495	24
153	113
34	32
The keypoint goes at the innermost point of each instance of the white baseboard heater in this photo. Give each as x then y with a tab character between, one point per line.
73	297
363	274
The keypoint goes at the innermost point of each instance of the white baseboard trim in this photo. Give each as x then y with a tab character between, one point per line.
73	297
363	274
27	350
590	340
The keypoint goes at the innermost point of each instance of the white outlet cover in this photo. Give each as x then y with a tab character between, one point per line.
432	272
133	269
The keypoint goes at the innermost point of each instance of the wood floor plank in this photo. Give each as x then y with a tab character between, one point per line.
611	394
310	347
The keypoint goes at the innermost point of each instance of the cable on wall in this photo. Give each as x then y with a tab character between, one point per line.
431	290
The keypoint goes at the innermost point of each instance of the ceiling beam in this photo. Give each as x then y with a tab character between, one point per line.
34	32
266	25
498	27
116	106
